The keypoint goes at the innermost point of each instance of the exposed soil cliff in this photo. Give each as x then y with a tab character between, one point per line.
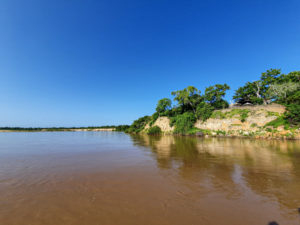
240	121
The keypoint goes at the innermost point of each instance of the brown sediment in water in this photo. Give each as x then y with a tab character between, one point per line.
113	178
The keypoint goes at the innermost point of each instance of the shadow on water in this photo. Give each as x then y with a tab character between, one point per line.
269	168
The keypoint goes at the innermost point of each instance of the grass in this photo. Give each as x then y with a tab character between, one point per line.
269	114
280	121
242	113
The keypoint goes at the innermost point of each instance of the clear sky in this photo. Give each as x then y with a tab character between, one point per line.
98	62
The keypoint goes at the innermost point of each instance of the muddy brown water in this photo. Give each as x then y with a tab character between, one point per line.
111	178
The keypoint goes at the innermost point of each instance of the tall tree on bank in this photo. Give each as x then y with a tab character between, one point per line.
163	105
214	95
257	92
188	98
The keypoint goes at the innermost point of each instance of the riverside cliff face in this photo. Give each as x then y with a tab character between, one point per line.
241	121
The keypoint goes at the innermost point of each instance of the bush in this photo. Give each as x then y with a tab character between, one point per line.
280	121
244	116
218	115
139	124
184	123
153	119
292	115
204	111
154	130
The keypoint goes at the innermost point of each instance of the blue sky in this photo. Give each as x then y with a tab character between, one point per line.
93	62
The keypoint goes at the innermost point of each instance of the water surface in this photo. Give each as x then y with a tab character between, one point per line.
111	178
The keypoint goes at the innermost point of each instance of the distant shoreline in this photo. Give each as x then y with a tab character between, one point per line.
54	129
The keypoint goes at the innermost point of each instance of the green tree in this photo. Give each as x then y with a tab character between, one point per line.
257	92
215	94
246	94
282	91
188	98
163	105
262	86
290	77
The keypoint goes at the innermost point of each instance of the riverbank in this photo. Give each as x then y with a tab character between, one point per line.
263	121
53	129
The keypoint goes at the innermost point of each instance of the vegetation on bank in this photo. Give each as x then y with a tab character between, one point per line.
191	105
33	129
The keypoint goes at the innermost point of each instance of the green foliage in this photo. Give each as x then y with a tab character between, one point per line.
253	125
183	123
139	124
244	115
270	113
122	128
280	121
221	132
271	87
154	117
293	98
292	115
154	130
218	115
163	105
204	111
188	98
193	131
214	95
280	92
269	77
247	94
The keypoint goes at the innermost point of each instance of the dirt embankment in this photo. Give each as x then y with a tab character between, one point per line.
248	118
249	121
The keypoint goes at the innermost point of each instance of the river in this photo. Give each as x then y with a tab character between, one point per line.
112	178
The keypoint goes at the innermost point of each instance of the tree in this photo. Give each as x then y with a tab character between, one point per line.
247	94
163	105
188	98
214	95
257	92
290	77
262	86
281	91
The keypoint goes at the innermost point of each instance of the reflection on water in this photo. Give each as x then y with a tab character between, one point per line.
114	178
269	168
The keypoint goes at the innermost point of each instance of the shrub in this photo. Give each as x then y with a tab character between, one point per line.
253	125
204	111
218	115
139	124
292	115
280	121
183	123
153	119
244	115
154	130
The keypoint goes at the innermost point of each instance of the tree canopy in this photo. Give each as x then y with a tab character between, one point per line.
163	105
